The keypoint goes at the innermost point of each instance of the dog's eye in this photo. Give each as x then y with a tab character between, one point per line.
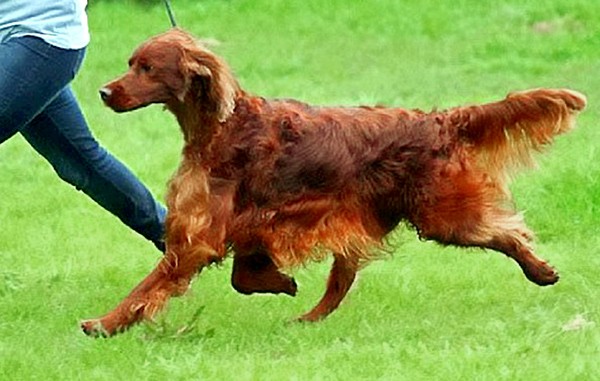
145	68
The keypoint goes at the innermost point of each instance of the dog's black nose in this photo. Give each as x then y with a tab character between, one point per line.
105	93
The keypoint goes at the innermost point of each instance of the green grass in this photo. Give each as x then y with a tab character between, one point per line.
427	313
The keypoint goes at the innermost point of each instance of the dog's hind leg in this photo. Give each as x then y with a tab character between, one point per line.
341	277
256	273
509	236
496	229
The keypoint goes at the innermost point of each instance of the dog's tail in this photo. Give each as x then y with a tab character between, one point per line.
505	134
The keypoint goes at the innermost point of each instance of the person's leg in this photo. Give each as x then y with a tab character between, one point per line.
61	135
35	99
32	73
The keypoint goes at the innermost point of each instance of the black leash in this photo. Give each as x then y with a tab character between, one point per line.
170	13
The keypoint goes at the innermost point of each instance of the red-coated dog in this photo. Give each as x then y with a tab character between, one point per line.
280	182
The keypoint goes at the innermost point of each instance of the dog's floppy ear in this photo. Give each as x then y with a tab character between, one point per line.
210	80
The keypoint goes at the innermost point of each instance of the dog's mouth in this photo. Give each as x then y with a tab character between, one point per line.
121	109
117	103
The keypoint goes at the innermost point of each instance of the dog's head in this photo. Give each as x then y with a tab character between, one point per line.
174	68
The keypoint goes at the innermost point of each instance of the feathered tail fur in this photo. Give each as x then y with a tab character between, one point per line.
505	134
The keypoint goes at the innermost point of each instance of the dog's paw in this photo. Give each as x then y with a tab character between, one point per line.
542	275
290	286
269	281
309	317
94	328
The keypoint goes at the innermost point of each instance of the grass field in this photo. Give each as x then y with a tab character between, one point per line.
427	313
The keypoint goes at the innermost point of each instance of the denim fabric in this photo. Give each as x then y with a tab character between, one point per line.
37	101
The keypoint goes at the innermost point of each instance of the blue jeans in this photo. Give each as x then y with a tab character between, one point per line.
36	100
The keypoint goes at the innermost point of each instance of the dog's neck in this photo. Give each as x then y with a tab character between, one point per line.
197	126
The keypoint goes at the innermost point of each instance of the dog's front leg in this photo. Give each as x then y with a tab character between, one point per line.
170	278
256	272
195	238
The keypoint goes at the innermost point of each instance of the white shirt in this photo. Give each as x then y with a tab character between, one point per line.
62	23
